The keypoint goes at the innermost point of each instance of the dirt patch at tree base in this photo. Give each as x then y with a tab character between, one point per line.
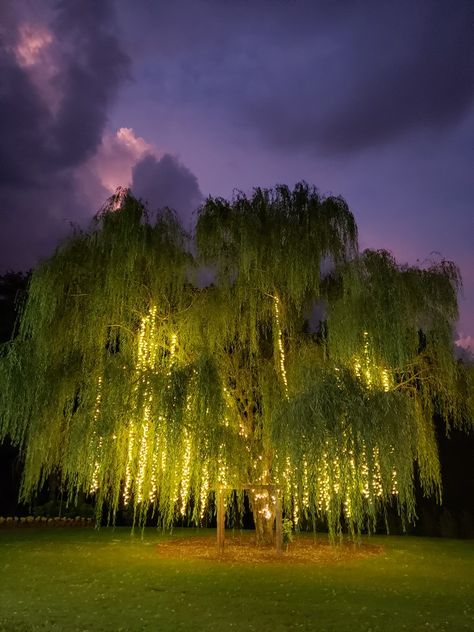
238	548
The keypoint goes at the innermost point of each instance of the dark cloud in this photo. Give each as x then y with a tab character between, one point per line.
166	182
43	139
328	77
419	72
94	68
395	69
23	120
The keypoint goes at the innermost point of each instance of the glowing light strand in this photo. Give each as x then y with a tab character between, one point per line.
281	349
94	486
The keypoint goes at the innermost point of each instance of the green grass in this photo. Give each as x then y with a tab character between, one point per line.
72	579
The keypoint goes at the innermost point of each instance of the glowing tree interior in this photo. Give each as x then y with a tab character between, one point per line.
302	366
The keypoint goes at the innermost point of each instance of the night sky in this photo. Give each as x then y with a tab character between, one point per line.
372	100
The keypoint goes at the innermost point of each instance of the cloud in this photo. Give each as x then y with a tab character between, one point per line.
59	79
116	156
166	182
330	78
94	68
465	342
403	69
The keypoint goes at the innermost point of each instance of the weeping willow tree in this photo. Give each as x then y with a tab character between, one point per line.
303	369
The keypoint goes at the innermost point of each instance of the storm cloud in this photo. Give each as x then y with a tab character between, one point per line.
372	100
329	78
403	68
165	182
57	82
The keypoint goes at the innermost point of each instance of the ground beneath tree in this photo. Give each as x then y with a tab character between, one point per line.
243	548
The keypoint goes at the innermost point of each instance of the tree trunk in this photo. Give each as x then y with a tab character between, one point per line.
262	502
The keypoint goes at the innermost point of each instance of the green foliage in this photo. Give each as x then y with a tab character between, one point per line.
287	531
141	388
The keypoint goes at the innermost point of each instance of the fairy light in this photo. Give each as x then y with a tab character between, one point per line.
186	472
173	345
145	359
242	431
222	470
365	473
276	305
394	482
128	467
164	454
352	477
377	476
394	489
94	485
204	491
385	380
324	484
287	475
266	512
347	504
367	371
305	499
153	484
174	489
357	367
336	475
143	456
174	339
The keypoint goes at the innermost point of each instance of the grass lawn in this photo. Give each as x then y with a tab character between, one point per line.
75	579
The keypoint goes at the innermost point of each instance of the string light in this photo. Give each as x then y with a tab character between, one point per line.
386	383
128	467
94	485
281	349
305	499
394	482
394	489
152	496
95	475
204	491
324	484
369	370
143	454
377	476
221	467
186	472
365	473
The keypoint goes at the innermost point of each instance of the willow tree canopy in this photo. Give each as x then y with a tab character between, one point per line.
302	364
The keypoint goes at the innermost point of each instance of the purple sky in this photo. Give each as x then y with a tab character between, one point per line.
372	100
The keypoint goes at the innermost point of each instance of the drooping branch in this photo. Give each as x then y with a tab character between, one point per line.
143	389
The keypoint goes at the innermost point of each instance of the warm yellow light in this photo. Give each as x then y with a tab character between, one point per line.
186	472
204	491
94	485
305	484
222	469
377	476
128	467
281	349
143	457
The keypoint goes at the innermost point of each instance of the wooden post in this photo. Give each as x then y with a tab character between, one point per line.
278	524
220	521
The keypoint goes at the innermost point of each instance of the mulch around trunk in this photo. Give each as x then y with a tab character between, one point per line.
243	548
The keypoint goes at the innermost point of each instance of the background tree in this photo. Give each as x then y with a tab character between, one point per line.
12	294
302	365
